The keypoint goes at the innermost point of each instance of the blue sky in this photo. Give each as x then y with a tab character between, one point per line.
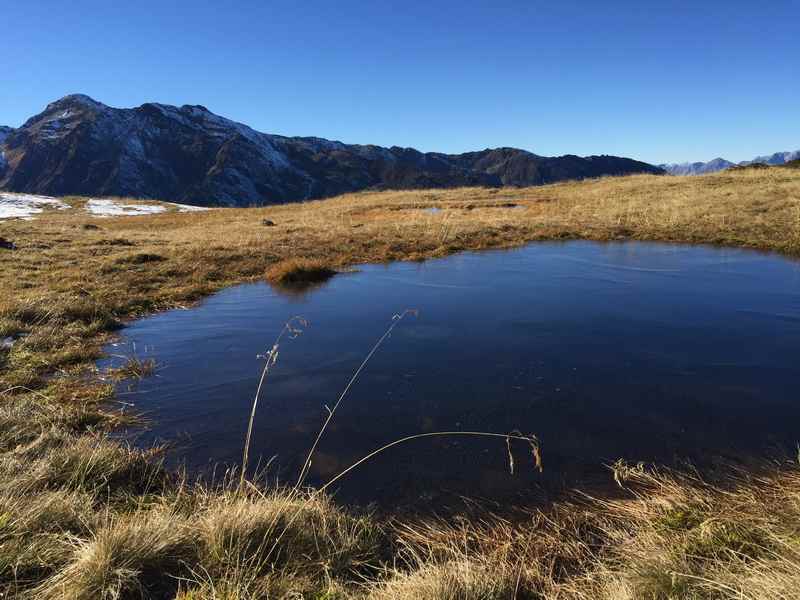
666	81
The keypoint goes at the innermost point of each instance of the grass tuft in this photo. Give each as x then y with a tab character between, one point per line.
285	531
134	556
299	271
140	258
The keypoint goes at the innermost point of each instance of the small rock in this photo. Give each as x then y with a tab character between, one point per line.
7	244
90	226
268	223
6	343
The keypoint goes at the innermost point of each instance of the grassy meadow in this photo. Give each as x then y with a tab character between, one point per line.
83	516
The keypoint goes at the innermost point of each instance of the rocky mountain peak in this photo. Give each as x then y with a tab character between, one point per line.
80	99
74	102
61	117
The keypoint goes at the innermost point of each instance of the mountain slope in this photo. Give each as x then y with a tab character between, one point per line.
720	164
698	168
188	154
779	158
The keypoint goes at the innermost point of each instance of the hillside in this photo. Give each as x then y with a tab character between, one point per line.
188	154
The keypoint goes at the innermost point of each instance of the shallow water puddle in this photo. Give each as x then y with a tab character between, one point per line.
604	351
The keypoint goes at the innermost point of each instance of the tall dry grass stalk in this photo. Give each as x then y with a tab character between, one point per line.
396	319
293	328
531	440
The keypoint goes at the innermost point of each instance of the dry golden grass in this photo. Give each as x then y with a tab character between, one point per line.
196	542
453	580
298	271
676	536
81	516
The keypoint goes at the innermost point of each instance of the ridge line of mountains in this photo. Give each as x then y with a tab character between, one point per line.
187	154
720	164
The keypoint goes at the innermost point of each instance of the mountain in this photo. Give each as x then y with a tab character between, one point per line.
5	132
779	158
698	168
720	164
188	154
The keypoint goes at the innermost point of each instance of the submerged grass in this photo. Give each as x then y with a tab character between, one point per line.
83	516
133	368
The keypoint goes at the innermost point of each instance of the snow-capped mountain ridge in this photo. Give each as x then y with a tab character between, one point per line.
720	164
190	155
778	158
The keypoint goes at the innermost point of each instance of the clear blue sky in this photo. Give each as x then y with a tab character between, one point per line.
658	81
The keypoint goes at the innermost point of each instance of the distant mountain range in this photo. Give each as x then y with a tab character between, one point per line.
188	154
720	164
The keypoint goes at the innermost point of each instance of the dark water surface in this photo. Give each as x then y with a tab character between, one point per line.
648	352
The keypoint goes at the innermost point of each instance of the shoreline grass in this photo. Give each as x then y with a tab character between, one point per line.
84	516
132	367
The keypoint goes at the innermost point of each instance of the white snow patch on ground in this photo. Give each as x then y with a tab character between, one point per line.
188	207
113	208
24	205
